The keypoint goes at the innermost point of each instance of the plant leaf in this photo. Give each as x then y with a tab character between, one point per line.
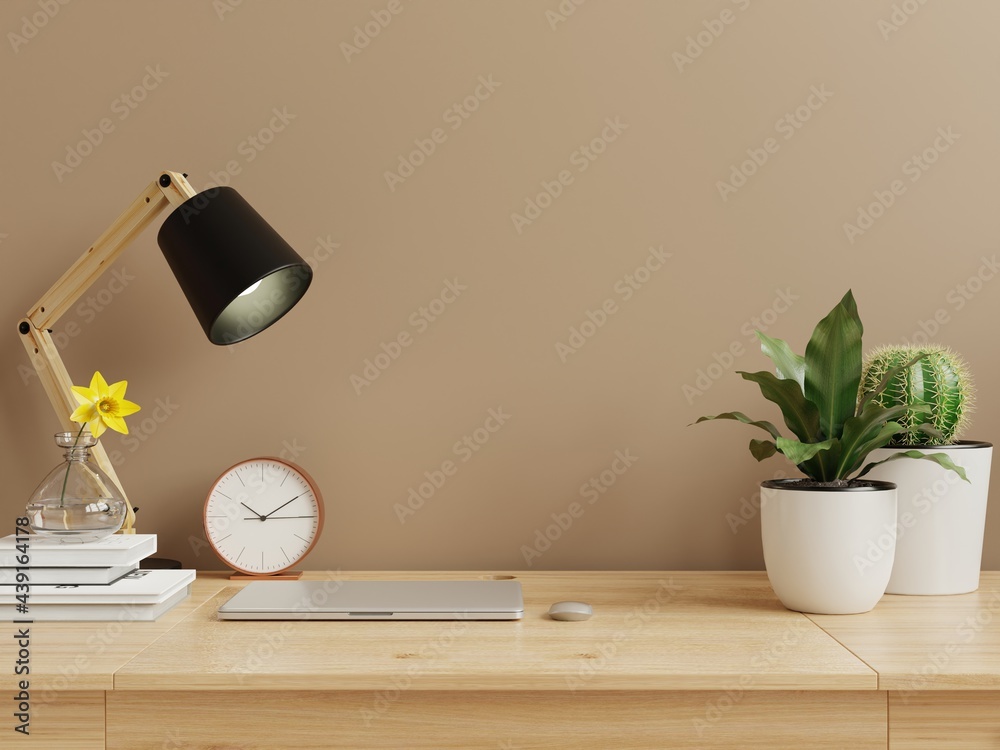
928	429
741	417
799	413
833	366
851	306
762	449
790	366
939	458
865	433
877	437
823	466
799	452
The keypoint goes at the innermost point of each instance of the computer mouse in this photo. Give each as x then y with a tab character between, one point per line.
571	611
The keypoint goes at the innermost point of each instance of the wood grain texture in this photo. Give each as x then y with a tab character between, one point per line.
99	257
650	631
955	720
928	642
679	660
429	720
71	656
71	721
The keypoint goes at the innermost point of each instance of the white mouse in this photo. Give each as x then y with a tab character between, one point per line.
571	611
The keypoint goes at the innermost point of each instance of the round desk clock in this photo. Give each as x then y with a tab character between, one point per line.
262	516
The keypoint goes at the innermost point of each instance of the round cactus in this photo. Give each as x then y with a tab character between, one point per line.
941	380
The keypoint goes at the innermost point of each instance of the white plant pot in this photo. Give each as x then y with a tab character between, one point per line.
941	519
828	550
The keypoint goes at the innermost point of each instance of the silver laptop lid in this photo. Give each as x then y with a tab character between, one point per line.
376	600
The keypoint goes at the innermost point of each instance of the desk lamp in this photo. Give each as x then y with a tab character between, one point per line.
238	275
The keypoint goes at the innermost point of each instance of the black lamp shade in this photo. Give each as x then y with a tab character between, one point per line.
238	274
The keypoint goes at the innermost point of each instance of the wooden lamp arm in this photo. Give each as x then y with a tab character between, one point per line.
89	266
171	188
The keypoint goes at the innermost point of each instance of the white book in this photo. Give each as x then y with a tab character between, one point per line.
117	549
94	612
86	576
138	587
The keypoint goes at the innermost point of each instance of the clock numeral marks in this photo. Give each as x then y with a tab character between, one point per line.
240	555
220	541
284	477
241	479
223	495
285	554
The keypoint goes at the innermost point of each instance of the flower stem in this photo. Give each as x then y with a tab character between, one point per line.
62	496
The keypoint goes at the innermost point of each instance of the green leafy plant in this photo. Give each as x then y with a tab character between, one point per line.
934	376
834	428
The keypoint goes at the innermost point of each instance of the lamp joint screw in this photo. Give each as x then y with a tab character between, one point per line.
164	180
24	328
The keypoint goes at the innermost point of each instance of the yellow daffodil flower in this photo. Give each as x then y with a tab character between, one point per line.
103	406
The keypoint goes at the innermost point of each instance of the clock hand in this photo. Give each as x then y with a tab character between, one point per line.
278	518
259	516
281	506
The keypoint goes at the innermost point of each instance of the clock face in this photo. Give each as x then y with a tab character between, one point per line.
263	515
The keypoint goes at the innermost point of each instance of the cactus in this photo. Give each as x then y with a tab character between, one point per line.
939	380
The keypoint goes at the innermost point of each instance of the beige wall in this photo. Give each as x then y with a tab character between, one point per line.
554	82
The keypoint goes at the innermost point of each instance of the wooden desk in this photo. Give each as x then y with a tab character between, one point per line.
938	659
669	660
73	665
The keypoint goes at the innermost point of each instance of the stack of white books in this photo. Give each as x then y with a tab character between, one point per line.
94	581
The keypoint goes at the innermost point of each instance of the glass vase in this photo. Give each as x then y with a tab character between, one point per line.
77	501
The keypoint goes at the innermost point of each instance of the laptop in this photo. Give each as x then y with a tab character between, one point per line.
376	600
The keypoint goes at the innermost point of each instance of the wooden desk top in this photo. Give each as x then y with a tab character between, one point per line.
650	631
928	642
86	655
